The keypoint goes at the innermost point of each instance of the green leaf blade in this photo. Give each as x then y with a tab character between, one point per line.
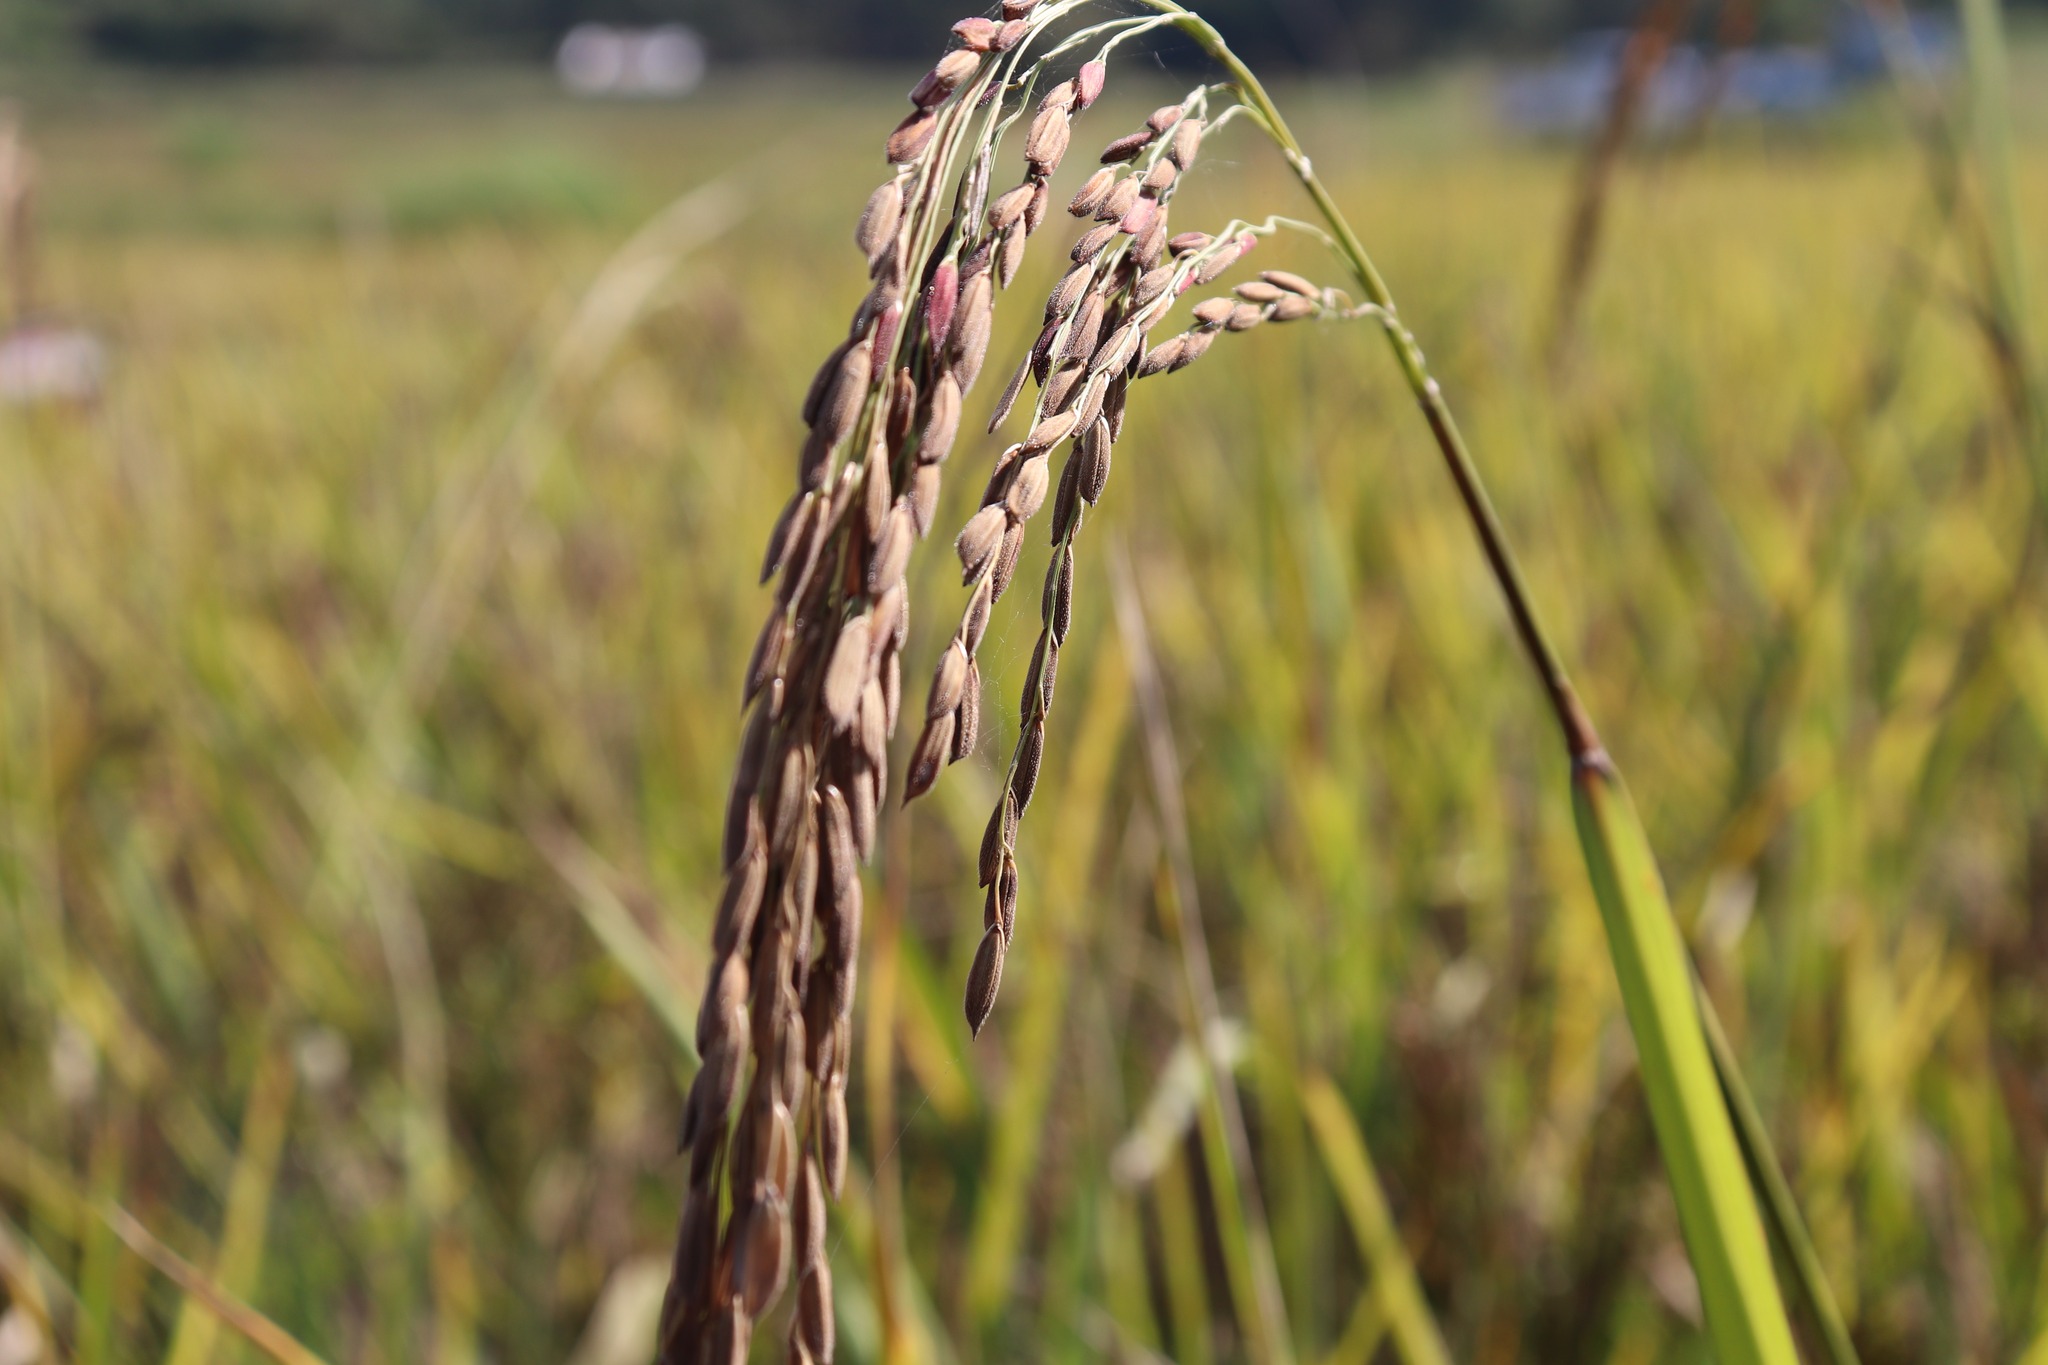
1717	1211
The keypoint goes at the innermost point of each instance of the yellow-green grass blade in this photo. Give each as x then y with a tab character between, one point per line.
1126	1289
84	1215
1716	1206
1990	116
1349	1162
99	1279
1017	1144
1180	1241
651	969
238	1261
252	1326
1362	1334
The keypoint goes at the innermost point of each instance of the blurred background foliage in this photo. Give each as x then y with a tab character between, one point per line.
369	667
1320	33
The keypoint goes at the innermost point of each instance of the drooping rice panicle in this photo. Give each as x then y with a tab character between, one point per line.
766	1124
1093	344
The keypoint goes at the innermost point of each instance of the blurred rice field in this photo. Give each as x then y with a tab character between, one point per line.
369	677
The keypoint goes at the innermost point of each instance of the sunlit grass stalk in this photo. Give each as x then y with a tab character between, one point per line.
1991	130
1036	1086
1717	1209
1969	168
1641	59
2007	303
1394	1287
89	1216
1241	1223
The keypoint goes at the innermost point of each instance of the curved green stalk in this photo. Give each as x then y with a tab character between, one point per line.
1717	1208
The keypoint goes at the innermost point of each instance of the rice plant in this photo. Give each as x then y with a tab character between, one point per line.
369	655
766	1121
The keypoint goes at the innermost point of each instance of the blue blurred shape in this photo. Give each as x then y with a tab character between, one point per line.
1569	95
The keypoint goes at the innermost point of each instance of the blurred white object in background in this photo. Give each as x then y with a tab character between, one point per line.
591	59
622	1326
74	1065
41	360
21	1340
43	363
598	61
671	60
